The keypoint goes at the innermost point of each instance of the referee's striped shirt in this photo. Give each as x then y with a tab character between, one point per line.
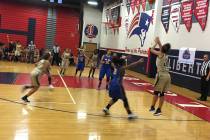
205	68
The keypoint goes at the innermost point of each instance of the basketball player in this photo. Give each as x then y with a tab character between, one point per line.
105	69
65	61
94	59
80	62
163	78
42	67
48	72
116	88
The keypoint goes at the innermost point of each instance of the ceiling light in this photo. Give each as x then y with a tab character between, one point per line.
93	3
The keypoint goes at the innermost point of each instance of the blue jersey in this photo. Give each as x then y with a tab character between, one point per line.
115	86
118	74
107	61
81	58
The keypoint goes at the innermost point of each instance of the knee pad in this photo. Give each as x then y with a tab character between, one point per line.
156	93
162	94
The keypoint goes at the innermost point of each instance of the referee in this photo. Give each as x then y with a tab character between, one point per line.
205	75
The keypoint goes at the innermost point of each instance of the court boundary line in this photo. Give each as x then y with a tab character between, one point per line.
74	102
170	91
99	115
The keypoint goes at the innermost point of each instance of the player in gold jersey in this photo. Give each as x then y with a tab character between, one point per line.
42	67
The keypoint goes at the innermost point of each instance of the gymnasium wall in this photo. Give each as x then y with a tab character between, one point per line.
91	16
25	22
15	19
182	74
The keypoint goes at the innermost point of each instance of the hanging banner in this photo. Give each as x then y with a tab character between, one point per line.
133	5
175	16
151	2
169	2
165	17
128	5
138	5
187	55
187	12
107	15
201	12
143	3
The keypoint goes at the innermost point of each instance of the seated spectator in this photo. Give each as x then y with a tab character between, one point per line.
36	55
12	48
1	50
5	52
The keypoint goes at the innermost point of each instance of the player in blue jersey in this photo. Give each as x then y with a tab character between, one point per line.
105	68
116	88
80	62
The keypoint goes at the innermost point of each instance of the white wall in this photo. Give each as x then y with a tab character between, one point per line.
92	16
195	39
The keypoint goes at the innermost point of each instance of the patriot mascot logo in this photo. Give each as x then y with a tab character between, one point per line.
139	26
91	31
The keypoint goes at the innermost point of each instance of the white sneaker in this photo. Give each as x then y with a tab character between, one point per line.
132	116
106	111
51	87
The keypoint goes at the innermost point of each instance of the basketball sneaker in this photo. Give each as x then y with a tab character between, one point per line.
25	99
152	109
51	87
106	111
157	112
132	116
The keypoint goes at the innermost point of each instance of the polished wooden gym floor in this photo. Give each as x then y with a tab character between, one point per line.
74	113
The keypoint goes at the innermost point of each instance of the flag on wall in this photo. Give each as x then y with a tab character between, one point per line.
142	28
133	5
138	5
143	3
175	16
187	12
128	5
187	55
201	12
165	17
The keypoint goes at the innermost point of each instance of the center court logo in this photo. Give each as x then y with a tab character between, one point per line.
139	26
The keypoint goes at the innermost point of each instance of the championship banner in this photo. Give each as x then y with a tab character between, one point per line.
165	17
107	15
133	5
138	5
201	12
143	3
128	5
187	55
175	16
187	12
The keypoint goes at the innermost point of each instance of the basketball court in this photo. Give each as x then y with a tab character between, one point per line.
128	29
73	110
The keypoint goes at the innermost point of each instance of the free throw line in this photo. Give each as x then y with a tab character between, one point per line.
66	87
